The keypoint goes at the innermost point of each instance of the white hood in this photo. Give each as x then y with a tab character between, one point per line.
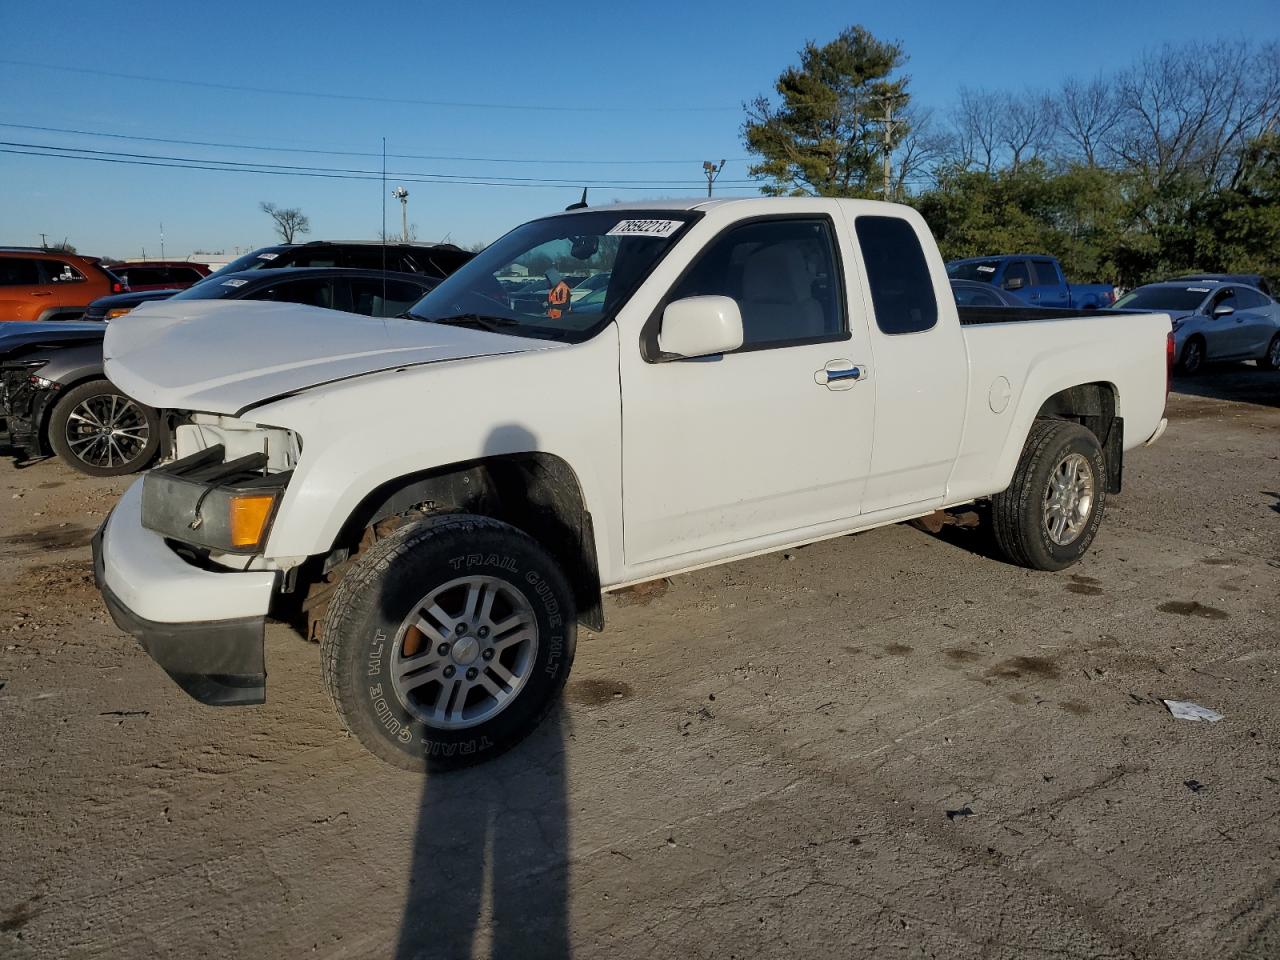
220	357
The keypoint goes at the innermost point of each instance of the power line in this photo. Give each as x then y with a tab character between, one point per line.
362	98
341	153
179	163
296	168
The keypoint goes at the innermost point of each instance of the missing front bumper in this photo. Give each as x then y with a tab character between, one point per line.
218	662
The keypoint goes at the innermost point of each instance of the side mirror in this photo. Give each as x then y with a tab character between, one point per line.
1223	310
700	327
1014	283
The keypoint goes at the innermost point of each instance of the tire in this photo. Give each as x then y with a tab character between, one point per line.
80	417
1043	520
427	571
1192	360
1271	359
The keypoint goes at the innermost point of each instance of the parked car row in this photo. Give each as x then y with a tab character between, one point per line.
38	284
1214	319
1034	278
1216	316
56	399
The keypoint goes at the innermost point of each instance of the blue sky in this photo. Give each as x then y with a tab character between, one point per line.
663	81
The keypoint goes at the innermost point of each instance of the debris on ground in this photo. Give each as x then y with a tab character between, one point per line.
1186	710
962	812
1195	786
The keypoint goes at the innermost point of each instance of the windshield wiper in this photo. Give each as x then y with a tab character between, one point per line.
478	320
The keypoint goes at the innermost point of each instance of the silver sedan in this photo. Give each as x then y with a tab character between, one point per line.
1214	321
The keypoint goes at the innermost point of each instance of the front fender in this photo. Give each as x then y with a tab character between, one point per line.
360	435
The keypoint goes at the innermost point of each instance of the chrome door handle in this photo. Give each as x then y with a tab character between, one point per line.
840	374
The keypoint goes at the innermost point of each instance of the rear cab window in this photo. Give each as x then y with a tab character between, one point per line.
898	275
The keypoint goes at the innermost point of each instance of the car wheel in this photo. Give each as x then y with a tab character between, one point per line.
1192	360
1271	359
100	431
1051	511
448	642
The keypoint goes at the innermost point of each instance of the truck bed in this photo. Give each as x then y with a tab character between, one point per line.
970	315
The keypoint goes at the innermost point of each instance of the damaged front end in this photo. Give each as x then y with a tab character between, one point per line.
25	399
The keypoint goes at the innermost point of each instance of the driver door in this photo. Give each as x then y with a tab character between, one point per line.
721	454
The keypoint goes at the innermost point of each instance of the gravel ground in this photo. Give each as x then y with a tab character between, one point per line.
884	745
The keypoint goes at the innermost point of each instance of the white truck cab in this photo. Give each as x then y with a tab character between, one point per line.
447	494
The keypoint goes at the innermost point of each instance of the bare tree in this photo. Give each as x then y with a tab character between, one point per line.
919	152
289	221
975	124
1193	109
1026	126
1087	112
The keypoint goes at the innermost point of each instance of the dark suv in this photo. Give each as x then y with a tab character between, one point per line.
55	397
434	260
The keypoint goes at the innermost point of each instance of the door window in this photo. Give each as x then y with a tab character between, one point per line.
1227	298
781	273
60	271
1017	270
311	292
901	285
17	272
1045	272
377	298
1250	299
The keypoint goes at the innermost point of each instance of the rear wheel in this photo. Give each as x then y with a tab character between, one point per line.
1271	359
1051	511
100	431
1192	360
448	642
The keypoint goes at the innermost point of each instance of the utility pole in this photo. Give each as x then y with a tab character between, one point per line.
161	241
887	121
401	194
711	171
44	243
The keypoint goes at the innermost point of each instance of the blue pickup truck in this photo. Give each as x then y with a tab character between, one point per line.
1035	278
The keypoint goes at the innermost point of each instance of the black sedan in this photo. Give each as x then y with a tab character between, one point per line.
55	397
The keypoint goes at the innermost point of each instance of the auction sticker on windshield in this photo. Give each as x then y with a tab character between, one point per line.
645	228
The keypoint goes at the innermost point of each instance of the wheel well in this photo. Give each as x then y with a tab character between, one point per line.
535	492
1093	405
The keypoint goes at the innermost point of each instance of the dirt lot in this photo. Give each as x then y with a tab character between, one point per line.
883	745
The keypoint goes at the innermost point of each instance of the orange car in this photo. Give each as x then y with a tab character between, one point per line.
37	284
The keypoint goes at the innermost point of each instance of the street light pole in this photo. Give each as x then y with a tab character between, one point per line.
711	171
401	194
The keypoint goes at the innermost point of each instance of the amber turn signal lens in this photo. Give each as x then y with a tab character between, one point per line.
118	312
249	515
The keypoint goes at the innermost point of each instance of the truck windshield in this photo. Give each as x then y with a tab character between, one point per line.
524	283
1163	298
980	270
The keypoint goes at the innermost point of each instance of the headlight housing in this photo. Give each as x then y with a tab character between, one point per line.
226	507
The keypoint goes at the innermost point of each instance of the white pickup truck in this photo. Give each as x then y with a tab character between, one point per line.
448	493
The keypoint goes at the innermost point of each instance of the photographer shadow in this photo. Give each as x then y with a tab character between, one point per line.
489	872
